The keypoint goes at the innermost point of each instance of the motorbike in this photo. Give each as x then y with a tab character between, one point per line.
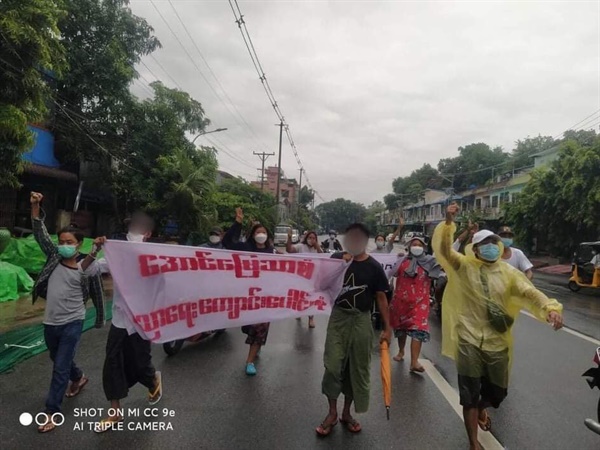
173	347
593	375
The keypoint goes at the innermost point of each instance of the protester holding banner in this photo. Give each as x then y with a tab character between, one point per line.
349	339
67	280
309	244
258	241
409	310
128	356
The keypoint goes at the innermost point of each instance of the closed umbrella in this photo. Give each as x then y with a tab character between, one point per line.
386	376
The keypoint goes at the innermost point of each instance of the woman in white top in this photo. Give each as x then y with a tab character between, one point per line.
310	244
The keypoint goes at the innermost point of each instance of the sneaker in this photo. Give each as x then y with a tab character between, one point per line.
250	369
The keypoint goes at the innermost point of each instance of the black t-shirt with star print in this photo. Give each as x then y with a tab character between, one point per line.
362	281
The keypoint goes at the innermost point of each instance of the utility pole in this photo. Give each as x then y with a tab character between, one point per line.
263	157
280	125
299	191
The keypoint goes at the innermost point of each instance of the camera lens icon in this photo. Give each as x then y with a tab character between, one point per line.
42	419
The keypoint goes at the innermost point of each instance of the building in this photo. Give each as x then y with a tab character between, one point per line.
288	191
546	157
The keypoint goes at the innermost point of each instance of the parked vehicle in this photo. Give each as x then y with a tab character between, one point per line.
173	347
584	274
389	236
281	234
594	381
295	236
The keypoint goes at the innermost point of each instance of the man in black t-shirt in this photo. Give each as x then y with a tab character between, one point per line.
349	340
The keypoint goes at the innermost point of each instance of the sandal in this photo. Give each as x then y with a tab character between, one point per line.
76	386
352	425
155	396
486	423
326	429
417	369
106	424
48	426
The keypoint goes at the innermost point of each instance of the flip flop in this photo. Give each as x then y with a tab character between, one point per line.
105	424
47	428
325	430
419	369
352	425
486	423
80	385
155	396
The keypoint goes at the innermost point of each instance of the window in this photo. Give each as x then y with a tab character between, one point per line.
495	201
504	198
478	203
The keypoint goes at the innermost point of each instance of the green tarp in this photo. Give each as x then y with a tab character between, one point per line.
26	253
25	342
14	282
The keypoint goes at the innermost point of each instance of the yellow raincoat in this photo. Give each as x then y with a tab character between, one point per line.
482	301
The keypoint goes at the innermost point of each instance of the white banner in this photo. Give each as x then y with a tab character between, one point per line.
173	292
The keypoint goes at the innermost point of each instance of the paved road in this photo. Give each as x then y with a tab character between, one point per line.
217	407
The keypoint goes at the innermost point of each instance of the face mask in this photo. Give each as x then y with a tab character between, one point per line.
214	239
332	236
417	251
379	244
67	251
508	242
135	237
489	252
260	238
310	242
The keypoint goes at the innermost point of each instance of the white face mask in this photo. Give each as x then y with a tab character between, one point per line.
135	237
379	244
214	239
417	251
332	236
260	238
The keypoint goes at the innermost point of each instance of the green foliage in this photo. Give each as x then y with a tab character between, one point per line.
29	45
371	221
340	213
560	204
306	196
257	205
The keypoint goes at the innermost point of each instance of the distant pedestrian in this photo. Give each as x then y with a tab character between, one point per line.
513	255
385	245
258	241
215	239
482	300
332	244
409	310
309	244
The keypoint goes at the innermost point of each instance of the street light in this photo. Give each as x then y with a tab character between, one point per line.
208	132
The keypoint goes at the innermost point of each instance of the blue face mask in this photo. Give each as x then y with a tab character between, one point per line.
67	251
508	242
489	252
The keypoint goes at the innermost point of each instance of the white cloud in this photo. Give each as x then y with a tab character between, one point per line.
372	90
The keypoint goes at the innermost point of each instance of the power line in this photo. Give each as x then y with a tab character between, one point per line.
573	126
239	19
165	71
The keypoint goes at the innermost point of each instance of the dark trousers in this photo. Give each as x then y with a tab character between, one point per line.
62	341
128	361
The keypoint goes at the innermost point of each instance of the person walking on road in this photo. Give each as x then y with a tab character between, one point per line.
482	300
381	246
409	310
215	239
349	340
332	244
309	244
128	359
66	281
258	241
514	256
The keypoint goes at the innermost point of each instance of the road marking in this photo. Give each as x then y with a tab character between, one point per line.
568	330
486	439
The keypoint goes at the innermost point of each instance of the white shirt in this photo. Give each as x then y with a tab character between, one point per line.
120	319
303	248
595	261
456	245
518	260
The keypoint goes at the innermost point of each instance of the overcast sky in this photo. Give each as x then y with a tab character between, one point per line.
373	89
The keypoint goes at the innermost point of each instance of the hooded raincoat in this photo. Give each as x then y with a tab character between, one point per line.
482	300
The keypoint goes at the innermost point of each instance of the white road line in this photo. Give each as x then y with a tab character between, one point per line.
569	330
486	439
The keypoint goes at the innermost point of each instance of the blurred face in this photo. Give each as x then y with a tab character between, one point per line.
355	242
380	242
138	232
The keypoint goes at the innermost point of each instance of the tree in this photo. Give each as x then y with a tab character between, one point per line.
306	196
340	213
521	155
30	51
103	40
560	205
258	206
371	219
